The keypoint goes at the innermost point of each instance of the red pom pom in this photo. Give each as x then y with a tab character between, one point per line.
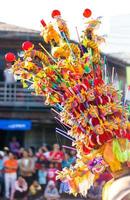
43	23
55	13
117	133
10	57
27	45
105	99
127	136
86	150
101	139
82	107
92	139
98	81
85	81
87	13
94	121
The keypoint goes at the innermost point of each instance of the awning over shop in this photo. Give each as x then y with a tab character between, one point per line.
15	125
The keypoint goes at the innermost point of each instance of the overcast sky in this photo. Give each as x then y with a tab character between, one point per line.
28	13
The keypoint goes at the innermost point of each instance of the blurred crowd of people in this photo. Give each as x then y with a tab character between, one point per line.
30	174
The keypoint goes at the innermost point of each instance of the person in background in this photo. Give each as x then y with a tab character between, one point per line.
73	156
56	156
6	153
63	150
14	146
33	159
45	150
68	161
21	151
95	192
10	87
20	189
51	192
41	159
35	190
8	75
42	176
1	173
25	168
51	173
10	168
32	149
64	187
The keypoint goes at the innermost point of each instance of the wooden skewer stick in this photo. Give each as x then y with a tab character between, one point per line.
47	52
112	77
67	147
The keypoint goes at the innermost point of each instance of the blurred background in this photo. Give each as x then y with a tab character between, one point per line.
23	115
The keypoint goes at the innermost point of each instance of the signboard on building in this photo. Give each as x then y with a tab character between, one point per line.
15	125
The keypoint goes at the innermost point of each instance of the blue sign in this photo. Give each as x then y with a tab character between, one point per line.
15	125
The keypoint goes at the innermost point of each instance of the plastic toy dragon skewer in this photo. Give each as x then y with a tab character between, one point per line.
72	79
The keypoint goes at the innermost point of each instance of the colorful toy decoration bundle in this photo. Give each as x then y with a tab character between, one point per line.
72	78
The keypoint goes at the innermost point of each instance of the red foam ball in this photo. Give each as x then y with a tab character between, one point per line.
10	57
55	13
43	23
87	13
98	81
27	45
94	121
86	150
